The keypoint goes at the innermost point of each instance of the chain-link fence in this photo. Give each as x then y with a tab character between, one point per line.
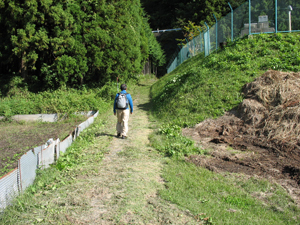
252	17
38	158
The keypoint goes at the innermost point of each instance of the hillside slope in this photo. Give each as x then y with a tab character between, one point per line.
204	88
248	114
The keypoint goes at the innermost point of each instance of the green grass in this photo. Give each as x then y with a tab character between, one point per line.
218	198
19	100
61	193
227	199
58	184
169	142
204	88
200	88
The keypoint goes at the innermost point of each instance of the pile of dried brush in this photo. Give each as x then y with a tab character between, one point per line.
272	105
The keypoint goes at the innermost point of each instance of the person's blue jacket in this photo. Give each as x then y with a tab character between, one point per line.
128	98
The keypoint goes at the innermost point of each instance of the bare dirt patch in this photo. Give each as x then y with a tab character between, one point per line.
18	137
261	136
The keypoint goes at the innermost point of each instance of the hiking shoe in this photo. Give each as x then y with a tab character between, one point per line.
124	137
119	135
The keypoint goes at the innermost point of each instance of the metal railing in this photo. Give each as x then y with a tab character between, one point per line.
252	17
165	30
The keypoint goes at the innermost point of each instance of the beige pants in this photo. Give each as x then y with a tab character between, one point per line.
122	124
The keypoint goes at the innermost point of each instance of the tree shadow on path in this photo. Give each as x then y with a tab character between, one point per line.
104	134
145	106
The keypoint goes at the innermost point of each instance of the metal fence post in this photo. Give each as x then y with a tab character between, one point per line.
249	17
290	17
276	17
206	40
240	29
216	31
178	55
194	47
204	43
181	51
231	21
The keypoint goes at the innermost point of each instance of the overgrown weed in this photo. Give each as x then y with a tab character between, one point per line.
63	100
169	141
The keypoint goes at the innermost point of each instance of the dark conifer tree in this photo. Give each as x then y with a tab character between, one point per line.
53	43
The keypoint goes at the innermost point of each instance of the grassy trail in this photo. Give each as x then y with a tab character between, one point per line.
115	182
125	189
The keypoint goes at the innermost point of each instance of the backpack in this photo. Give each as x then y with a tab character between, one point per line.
122	101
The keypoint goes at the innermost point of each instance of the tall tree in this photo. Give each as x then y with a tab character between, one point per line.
53	43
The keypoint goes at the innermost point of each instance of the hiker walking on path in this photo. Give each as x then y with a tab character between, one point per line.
121	109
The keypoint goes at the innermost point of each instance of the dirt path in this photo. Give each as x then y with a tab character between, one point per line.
125	189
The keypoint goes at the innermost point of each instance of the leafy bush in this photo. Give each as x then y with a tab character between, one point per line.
63	100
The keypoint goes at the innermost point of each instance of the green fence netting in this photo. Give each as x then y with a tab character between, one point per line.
252	17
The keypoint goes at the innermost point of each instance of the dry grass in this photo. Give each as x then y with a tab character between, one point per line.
275	98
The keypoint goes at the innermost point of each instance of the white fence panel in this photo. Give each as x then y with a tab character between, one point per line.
23	176
36	150
85	124
8	188
63	145
81	127
27	169
96	114
91	120
46	156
